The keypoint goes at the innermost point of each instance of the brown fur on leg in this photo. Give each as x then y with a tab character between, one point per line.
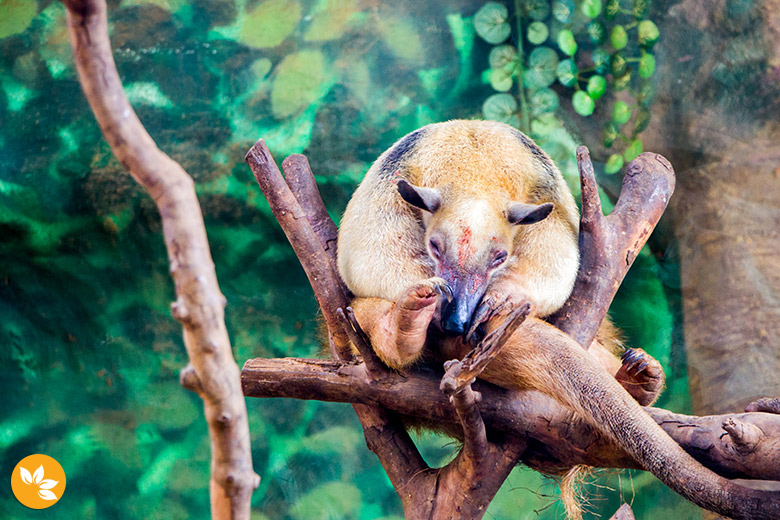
636	370
398	330
641	375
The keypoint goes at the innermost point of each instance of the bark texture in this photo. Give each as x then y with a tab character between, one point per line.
738	445
199	306
470	481
715	117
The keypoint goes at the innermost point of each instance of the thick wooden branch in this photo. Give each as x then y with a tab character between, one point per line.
307	244
557	439
310	232
609	245
199	306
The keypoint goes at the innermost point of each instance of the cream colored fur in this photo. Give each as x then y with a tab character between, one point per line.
479	167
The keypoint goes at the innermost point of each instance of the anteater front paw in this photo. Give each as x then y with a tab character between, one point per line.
641	375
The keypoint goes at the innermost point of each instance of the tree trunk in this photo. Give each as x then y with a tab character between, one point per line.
714	117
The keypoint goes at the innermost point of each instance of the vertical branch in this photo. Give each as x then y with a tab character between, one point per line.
299	177
310	233
328	289
199	306
609	245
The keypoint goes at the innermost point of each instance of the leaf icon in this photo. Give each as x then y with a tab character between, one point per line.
48	483
46	494
26	477
38	475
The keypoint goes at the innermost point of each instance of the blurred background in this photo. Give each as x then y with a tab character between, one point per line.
90	353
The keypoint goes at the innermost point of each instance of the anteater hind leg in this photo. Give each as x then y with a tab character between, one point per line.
398	330
642	375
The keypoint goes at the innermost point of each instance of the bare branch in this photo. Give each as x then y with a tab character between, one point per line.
560	438
385	435
461	373
200	304
328	289
623	513
300	179
609	245
360	340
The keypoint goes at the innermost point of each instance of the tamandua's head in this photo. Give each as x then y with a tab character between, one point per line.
470	243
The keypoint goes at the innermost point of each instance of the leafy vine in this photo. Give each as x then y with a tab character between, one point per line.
588	51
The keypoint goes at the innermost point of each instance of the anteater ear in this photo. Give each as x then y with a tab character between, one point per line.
521	213
428	199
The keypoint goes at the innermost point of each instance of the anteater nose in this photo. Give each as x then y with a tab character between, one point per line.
455	318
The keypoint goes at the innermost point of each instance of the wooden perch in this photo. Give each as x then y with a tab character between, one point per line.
609	245
557	439
199	306
490	427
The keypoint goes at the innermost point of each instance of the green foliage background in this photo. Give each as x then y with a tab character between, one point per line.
90	353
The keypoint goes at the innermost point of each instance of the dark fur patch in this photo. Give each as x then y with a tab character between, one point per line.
548	166
399	152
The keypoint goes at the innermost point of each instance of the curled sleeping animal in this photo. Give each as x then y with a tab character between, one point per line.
462	218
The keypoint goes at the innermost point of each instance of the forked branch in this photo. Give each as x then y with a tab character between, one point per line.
609	245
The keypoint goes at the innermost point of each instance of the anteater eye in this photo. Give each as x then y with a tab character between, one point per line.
435	249
498	259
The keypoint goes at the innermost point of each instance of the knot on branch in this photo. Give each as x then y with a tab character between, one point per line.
188	378
181	312
744	436
236	482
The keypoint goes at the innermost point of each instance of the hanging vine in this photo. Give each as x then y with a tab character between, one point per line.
588	52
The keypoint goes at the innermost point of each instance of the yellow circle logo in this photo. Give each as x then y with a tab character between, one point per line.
38	481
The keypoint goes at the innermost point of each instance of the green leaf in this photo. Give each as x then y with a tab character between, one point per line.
537	9
648	34
298	82
17	16
597	85
328	501
567	73
329	19
491	23
633	150
609	135
614	163
591	8
646	95
618	37
621	113
562	10
544	125
622	82
402	37
641	8
617	64
612	9
537	33
500	79
566	42
542	64
583	104
544	101
646	65
601	60
503	56
641	121
270	23
597	32
501	108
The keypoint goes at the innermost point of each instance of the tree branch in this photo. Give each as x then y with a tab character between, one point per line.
385	434
557	439
609	245
199	306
